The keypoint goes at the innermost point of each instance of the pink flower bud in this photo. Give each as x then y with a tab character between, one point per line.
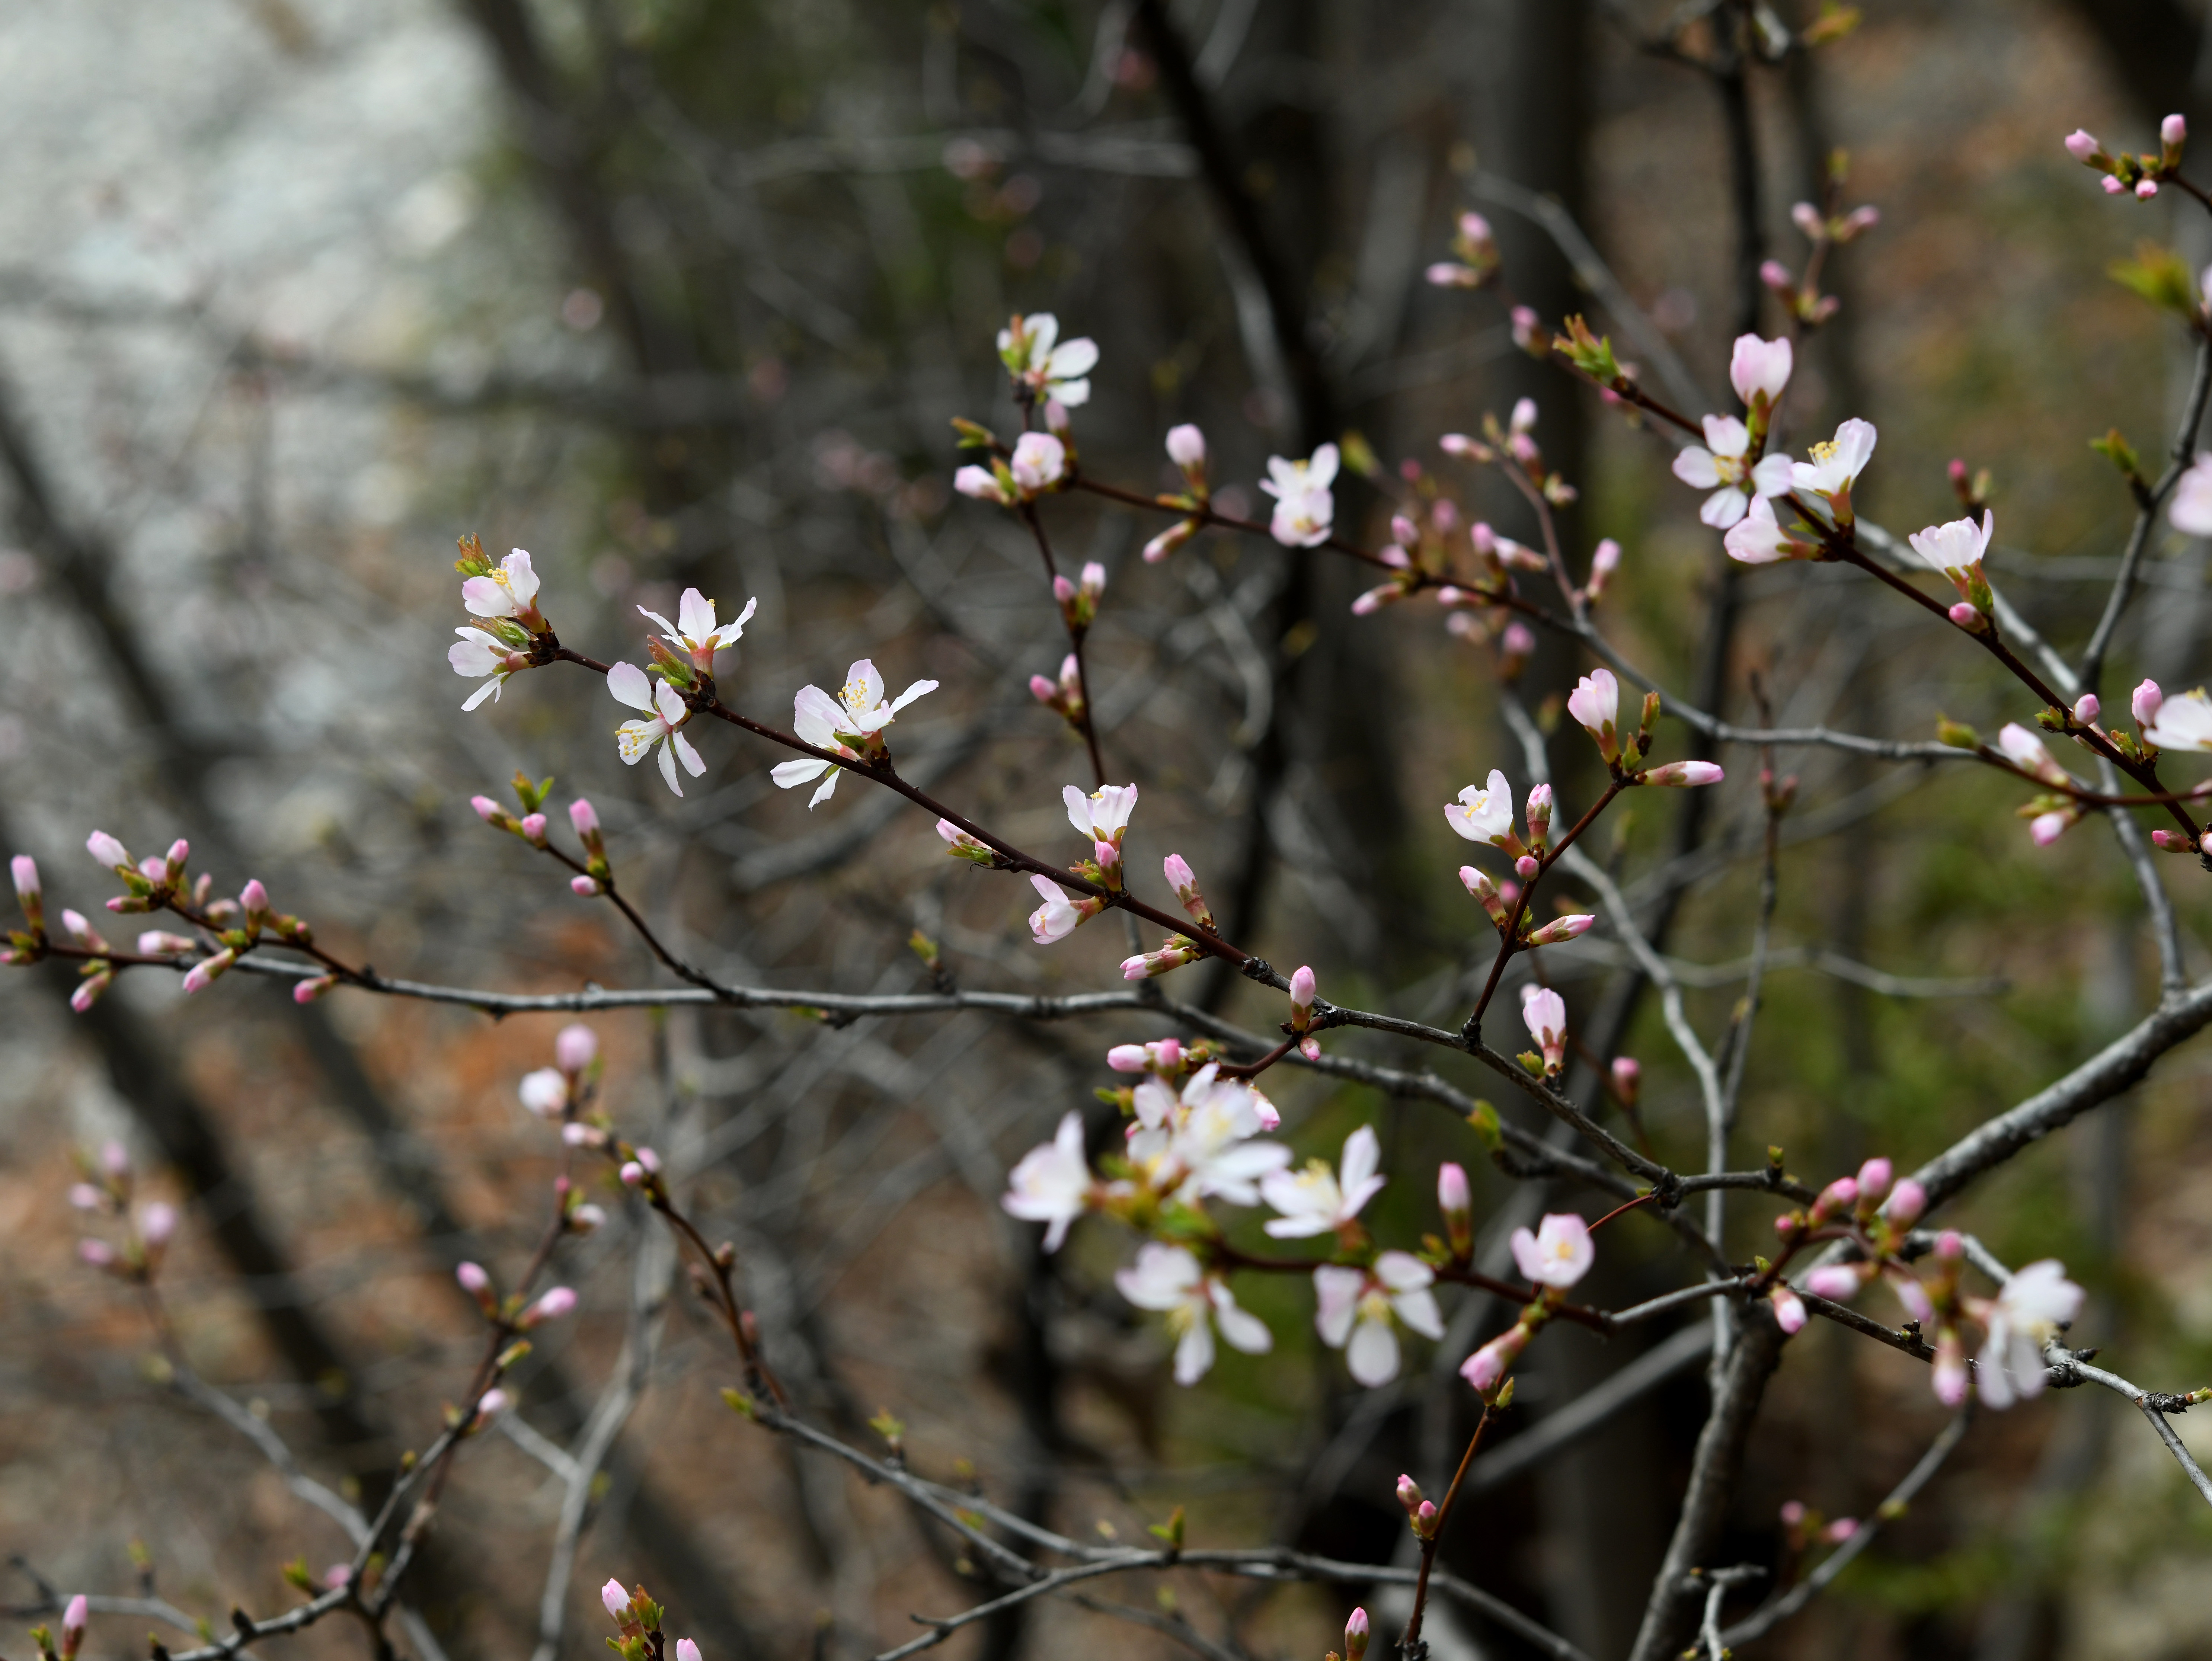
533	827
205	973
1042	689
74	1617
106	848
1453	1196
1355	1635
1424	1519
253	898
574	1048
582	1136
1839	1196
2082	144
474	1280
86	1197
99	1253
557	1301
586	887
1309	1047
88	990
179	852
1170	540
585	1218
1950	1247
1793	1513
489	1406
616	1599
2146	189
583	818
1968	617
633	1174
1186	446
2173	131
25	870
1627	1078
1844	1527
1127	1058
1873	1178
2086	708
337	1575
157	1223
1409	1495
487	809
1678	774
1528	865
2144	702
1836	1283
1301	992
2112	187
1789	1308
1906	1201
686	1650
1486	1367
1561	929
307	991
153	869
1786	1224
1062	590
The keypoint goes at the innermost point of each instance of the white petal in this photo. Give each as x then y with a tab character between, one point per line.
1195	1351
1072	360
1773	475
521	580
863	687
1418	1311
1244	1330
1724	508
696	614
816	715
1727	436
1320	471
1079	809
1372	1354
667	628
1336	1300
490	689
692	763
668	767
630	685
1071	394
918	689
1694	466
670	702
787	773
829	788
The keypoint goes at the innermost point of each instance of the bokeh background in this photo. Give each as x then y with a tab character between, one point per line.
675	292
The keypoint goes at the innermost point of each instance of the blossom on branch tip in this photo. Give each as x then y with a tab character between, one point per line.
1456	1200
686	1650
1835	466
1558	1254
1485	892
1759	370
106	850
960	845
1546	1013
1062	913
1039	463
2031	1309
1103	816
1304	509
1486	1369
1486	815
694	632
1677	774
1043	365
1595	706
1170	1280
1357	1310
544	1093
1319	1200
75	1615
855	717
575	1047
1604	561
1561	929
1163	1057
555	1302
2181	722
1723	465
1355	1635
1198	1144
205	973
665	712
509	590
1789	1307
2025	751
1051	1184
1187	450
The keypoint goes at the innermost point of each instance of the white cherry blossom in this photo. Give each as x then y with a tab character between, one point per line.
1168	1278
694	632
1835	466
1060	915
1046	365
2191	510
665	713
1723	465
1485	814
1304	509
509	590
1758	538
1052	1184
1319	1201
1357	1310
2027	1313
1559	1253
1199	1144
1101	817
2183	721
1759	369
856	716
477	655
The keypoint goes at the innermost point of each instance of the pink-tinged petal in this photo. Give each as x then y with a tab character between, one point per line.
1727	436
486	598
1526	1256
1694	467
863	687
473	659
521	580
1242	1328
730	631
818	716
1724	508
630	685
1773	476
696	614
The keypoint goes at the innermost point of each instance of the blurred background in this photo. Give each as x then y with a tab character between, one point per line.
680	292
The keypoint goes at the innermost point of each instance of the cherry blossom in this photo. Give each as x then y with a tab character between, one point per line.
1039	461
1061	914
1678	773
477	655
1486	815
509	590
1357	1310
1722	465
1595	705
1559	1253
1168	1279
856	716
1835	466
2191	510
2183	721
1304	509
1052	1184
1485	1368
1103	816
1758	538
1043	365
1546	1014
1199	1144
2034	1304
544	1093
665	712
694	632
1319	1201
1956	549
1187	450
1759	370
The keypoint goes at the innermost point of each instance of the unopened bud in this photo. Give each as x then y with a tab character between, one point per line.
1355	1635
1627	1079
2086	708
1456	1200
106	850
